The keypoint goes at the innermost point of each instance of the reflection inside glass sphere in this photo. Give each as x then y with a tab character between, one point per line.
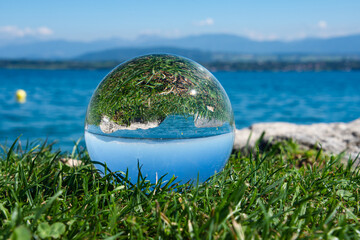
164	113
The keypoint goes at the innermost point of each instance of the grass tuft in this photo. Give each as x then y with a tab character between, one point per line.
281	193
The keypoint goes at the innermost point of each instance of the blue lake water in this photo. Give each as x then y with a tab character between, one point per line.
57	100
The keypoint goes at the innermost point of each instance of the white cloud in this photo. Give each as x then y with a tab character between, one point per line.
44	31
322	24
205	22
14	31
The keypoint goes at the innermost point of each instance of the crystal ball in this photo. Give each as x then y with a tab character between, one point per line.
164	115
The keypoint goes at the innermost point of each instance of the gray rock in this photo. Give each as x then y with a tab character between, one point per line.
334	138
204	123
108	126
71	162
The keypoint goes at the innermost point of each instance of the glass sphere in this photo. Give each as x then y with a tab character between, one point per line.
161	113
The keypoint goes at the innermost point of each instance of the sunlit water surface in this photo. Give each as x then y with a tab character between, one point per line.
57	100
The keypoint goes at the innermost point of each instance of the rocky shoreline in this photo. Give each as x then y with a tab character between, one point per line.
333	138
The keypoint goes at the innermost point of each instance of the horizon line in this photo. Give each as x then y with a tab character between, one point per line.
141	37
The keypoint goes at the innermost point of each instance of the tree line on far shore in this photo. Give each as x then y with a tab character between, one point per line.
339	65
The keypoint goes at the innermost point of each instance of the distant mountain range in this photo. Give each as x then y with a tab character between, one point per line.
204	47
125	53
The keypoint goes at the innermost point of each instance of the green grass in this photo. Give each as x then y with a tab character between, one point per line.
152	87
281	193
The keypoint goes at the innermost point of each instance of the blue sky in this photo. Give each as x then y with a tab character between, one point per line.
261	20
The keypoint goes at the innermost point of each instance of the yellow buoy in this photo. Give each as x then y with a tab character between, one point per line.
20	96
